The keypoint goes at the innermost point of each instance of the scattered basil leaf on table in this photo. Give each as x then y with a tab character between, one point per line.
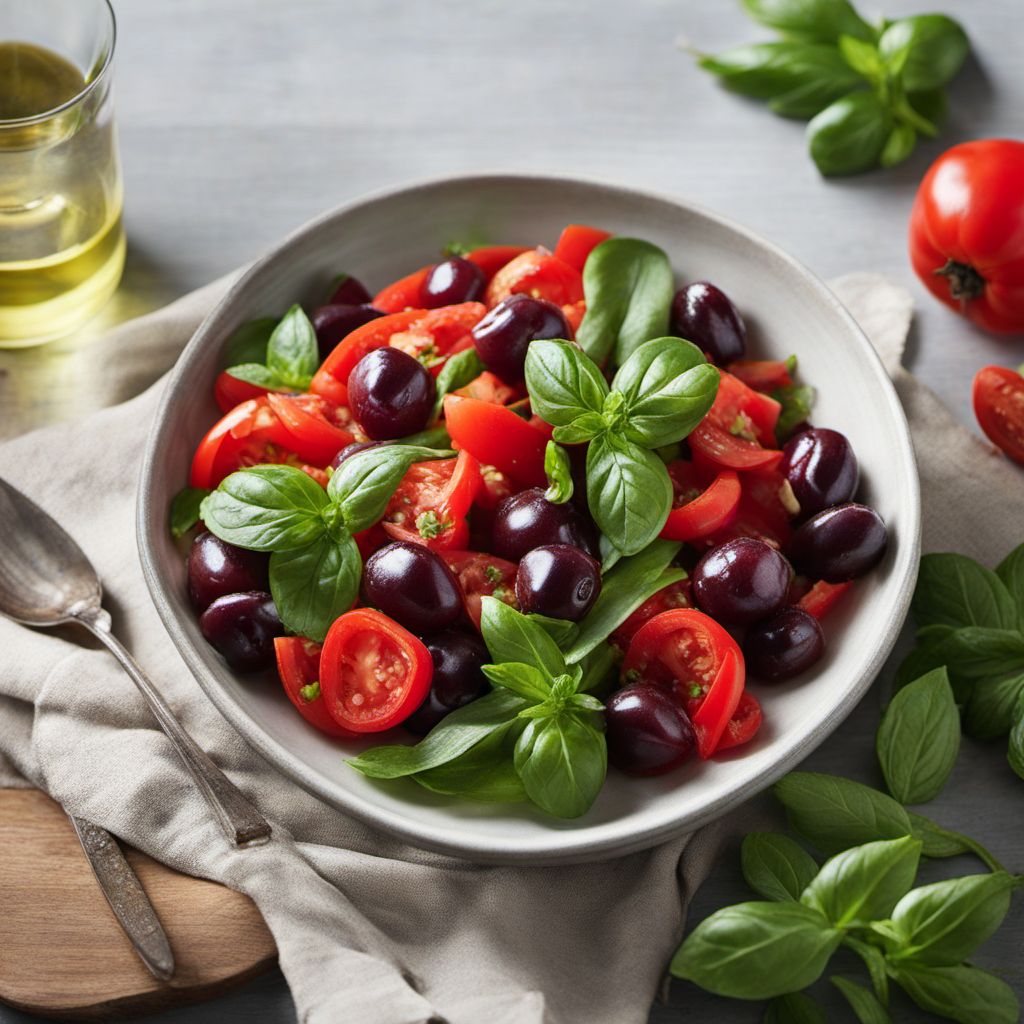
820	20
458	370
848	136
794	1008
864	1003
961	993
1015	750
954	590
992	705
558	470
1011	572
876	964
185	510
776	866
248	343
926	50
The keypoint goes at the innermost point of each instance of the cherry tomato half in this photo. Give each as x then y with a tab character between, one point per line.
761	513
762	374
316	430
675	595
819	600
577	242
481	575
539	274
402	294
745	722
298	666
700	513
373	672
491	258
998	396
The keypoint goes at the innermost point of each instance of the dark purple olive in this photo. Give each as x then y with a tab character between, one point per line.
783	646
390	394
457	658
242	628
839	543
349	292
413	585
648	733
741	581
216	568
504	334
821	468
703	314
354	449
558	580
527	520
454	280
332	323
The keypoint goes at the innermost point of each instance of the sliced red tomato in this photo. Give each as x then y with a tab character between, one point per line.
249	435
820	599
694	658
743	725
537	273
697	513
716	448
577	242
998	396
491	258
405	293
497	437
744	412
432	501
229	391
762	374
429	335
675	595
762	512
298	666
314	426
495	487
489	388
373	672
574	313
481	575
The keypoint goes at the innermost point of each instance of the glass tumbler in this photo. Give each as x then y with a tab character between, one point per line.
61	240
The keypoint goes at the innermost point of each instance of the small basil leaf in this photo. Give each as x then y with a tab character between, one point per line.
848	136
919	739
456	373
757	950
454	735
944	923
484	772
512	636
1011	571
927	49
668	389
990	706
292	352
899	145
564	383
820	20
864	1003
526	680
797	401
979	652
562	761
862	57
1015	749
876	964
313	585
598	666
558	470
794	1008
965	994
936	841
583	428
954	590
562	631
865	882
629	492
775	866
266	508
432	437
836	813
258	374
628	287
185	510
248	343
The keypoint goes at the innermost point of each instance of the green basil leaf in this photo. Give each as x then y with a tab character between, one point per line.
799	79
797	401
863	57
583	428
562	631
562	761
900	144
432	437
185	510
865	882
364	483
1011	572
775	866
819	20
1015	749
876	964
292	352
864	1003
248	343
954	590
558	470
629	492
512	636
258	374
453	736
927	49
526	680
598	666
623	589
836	813
757	950
456	373
936	841
794	1008
484	772
628	286
919	739
564	383
266	508
668	388
990	707
313	585
848	136
944	923
965	994
979	652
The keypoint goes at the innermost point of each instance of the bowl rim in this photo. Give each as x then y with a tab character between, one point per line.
590	843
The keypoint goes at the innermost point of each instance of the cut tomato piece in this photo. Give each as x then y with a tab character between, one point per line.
820	599
490	388
675	595
763	375
719	449
491	258
577	242
481	575
313	426
743	725
743	412
373	672
229	391
761	513
574	312
405	293
998	396
298	667
539	274
699	513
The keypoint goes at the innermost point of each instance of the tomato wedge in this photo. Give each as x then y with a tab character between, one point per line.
710	510
675	595
577	242
229	391
373	672
820	599
298	666
405	293
490	388
497	437
718	449
743	725
539	274
313	426
491	258
998	396
481	575
744	412
692	656
762	374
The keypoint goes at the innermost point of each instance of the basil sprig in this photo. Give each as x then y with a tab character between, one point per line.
291	353
315	565
659	394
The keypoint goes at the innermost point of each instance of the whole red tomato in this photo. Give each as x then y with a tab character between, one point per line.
967	232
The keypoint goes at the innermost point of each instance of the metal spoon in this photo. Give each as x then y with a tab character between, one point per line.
46	580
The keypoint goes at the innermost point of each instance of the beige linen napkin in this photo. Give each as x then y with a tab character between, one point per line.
369	930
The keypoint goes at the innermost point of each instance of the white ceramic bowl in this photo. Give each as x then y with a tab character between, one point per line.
787	309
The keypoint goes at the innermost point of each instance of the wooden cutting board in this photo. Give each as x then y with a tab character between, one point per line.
62	953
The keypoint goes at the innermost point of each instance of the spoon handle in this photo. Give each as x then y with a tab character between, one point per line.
242	822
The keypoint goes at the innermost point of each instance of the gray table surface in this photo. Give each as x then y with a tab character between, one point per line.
240	119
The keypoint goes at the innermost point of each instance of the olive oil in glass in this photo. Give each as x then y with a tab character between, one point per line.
61	241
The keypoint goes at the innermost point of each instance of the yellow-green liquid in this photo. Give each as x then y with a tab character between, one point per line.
61	241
